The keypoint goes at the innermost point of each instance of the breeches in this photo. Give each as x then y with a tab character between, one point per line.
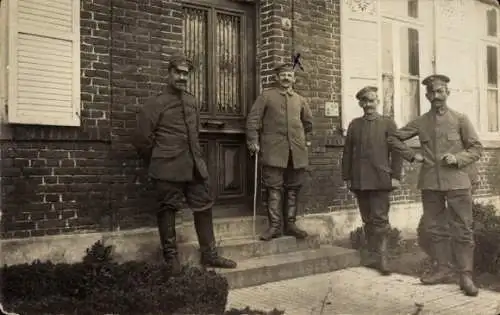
448	214
374	208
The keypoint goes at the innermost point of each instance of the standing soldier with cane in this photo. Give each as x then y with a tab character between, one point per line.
371	170
167	139
449	146
276	128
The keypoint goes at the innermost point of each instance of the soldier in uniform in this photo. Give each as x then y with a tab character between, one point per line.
167	139
371	171
449	145
276	127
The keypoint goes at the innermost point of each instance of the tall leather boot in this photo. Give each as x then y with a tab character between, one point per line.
166	229
464	254
203	223
274	215
443	272
382	254
368	258
291	228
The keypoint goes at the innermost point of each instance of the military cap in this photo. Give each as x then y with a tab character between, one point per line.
288	67
364	91
435	79
180	60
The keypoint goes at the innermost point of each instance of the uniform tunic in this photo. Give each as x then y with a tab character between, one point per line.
449	132
167	139
367	160
279	120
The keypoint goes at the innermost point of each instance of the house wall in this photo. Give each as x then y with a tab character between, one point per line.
60	180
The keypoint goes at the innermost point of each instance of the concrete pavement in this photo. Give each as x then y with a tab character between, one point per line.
361	291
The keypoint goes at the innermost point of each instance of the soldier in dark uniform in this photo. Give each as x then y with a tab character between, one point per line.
449	145
167	139
371	172
277	126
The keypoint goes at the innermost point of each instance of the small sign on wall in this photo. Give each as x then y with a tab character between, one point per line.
331	109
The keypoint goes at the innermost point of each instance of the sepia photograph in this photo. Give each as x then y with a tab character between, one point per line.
250	157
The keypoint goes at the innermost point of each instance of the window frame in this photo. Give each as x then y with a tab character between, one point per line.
397	25
485	40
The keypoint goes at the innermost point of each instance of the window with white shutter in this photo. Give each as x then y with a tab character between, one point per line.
44	62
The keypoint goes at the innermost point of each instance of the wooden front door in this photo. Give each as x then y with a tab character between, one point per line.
219	38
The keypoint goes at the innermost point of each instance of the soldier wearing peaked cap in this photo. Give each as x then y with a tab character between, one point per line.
450	146
276	129
371	171
167	139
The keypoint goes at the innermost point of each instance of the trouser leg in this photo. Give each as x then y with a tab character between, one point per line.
200	201
379	214
294	179
169	198
436	222
273	181
461	221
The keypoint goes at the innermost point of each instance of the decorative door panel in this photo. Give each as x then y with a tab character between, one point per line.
232	168
219	37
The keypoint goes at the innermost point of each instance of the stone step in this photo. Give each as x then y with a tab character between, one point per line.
224	228
277	267
245	248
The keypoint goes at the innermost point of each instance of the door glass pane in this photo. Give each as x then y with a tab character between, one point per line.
195	48
493	110
227	64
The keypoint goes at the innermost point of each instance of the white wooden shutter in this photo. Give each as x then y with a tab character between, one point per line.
359	53
456	53
44	62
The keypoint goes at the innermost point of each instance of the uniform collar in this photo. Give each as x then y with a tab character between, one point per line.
440	112
288	92
371	116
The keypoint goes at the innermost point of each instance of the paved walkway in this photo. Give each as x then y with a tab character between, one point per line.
361	291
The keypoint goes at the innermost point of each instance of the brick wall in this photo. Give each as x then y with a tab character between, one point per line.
64	180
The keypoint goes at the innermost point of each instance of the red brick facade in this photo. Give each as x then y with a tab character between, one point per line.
63	180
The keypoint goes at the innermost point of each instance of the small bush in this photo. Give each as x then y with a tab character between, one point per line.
100	286
487	238
394	240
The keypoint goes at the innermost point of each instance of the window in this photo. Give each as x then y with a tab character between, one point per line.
410	71
400	71
44	68
492	88
491	18
413	8
490	51
213	37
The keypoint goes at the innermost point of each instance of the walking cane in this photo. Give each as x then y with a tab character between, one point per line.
255	193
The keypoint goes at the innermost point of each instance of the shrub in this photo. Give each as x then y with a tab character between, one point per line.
394	240
487	238
100	286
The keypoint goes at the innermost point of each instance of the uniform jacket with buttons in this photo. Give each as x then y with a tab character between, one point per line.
367	160
440	133
166	137
279	121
